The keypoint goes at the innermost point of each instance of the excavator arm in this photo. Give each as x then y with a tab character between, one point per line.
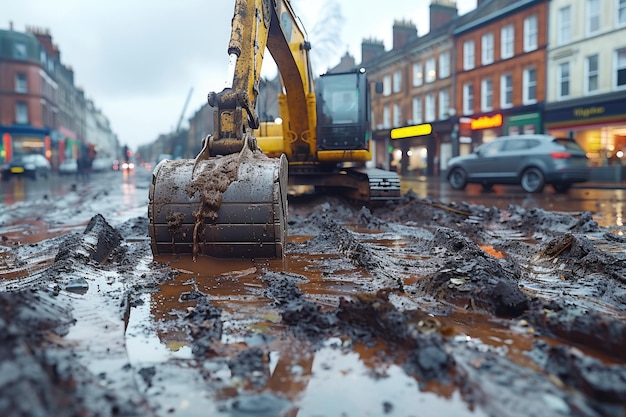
256	25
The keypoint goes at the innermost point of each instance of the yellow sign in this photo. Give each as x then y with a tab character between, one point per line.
584	112
486	122
410	131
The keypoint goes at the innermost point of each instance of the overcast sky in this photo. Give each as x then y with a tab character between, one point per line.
138	59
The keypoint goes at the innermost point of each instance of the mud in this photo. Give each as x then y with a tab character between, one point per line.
413	308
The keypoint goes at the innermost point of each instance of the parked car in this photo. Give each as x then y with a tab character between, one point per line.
531	161
68	167
30	165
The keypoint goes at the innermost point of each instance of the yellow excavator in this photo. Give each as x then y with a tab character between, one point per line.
231	200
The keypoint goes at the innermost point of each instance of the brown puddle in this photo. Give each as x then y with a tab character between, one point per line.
27	232
326	381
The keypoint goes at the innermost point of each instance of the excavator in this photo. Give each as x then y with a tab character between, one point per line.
231	200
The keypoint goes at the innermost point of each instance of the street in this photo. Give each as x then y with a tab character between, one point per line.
444	303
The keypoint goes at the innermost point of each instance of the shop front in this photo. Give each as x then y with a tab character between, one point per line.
21	140
522	124
415	150
485	127
597	123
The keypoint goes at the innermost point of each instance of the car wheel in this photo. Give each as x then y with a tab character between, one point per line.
457	178
562	187
533	180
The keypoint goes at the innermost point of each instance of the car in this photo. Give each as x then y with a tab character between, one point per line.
531	160
31	165
102	164
68	167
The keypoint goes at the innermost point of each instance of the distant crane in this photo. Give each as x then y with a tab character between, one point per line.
182	114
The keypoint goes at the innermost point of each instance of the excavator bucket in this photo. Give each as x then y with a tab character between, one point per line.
232	206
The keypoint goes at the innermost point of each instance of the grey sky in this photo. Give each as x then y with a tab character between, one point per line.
138	59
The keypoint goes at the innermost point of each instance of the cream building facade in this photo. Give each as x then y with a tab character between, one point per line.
586	76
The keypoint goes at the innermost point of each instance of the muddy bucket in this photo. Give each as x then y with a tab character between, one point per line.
232	206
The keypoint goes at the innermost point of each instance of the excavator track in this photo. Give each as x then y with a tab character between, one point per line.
224	207
382	185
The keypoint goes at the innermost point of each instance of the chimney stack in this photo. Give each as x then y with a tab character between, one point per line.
370	50
441	13
404	31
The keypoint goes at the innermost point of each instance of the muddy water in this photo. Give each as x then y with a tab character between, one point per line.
326	381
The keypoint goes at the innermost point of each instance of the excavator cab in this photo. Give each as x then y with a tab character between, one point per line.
343	112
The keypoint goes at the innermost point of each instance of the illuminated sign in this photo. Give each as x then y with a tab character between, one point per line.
410	131
486	122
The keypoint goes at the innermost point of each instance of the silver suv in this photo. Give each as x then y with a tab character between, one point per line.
529	160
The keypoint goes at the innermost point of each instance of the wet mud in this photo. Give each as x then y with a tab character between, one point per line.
412	308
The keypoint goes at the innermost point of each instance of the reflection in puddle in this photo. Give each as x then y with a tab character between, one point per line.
145	345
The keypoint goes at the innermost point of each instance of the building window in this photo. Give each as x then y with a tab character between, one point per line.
563	80
19	50
444	104
620	70
386	117
486	95
444	64
507	42
530	33
530	86
591	74
417	110
21	113
593	16
418	74
621	12
431	70
397	81
397	115
387	85
468	55
487	49
564	25
506	91
429	110
20	83
468	98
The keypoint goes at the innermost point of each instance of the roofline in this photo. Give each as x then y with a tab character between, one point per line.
492	16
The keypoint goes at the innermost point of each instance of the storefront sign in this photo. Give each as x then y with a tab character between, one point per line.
411	131
603	112
523	123
486	122
586	112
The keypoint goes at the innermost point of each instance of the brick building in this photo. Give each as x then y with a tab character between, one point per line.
41	109
500	70
417	79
